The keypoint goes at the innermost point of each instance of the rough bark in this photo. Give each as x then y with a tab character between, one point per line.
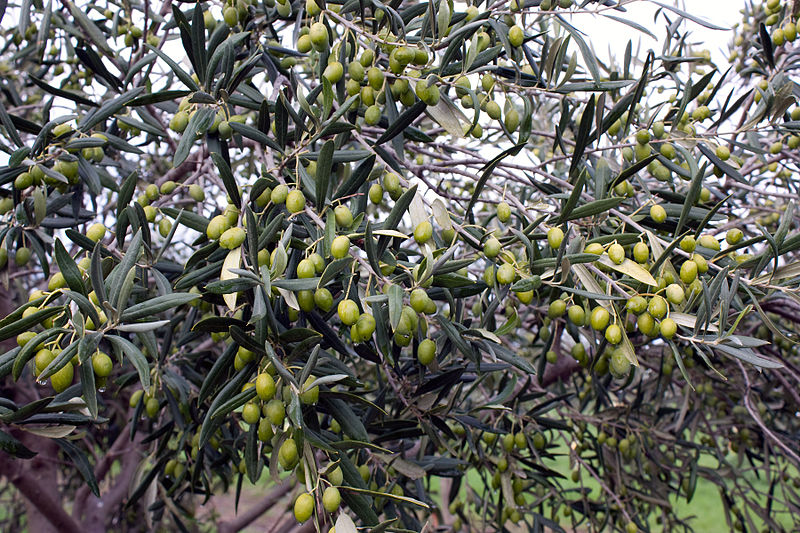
36	480
94	512
247	517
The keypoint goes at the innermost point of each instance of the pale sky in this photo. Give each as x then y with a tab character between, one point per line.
610	38
615	36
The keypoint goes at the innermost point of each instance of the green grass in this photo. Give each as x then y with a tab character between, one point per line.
705	512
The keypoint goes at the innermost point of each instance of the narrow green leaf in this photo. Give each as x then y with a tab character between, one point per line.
324	165
582	137
594	208
693	193
227	179
689	16
157	305
405	119
69	269
198	125
28	351
486	173
179	72
11	445
572	200
24	324
92	31
136	357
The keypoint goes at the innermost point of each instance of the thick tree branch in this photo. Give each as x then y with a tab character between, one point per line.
95	511
18	473
243	520
101	469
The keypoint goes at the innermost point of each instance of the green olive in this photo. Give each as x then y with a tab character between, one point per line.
599	318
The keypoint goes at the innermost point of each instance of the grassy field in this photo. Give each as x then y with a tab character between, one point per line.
705	512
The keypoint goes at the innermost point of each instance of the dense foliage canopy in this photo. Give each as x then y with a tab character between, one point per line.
406	265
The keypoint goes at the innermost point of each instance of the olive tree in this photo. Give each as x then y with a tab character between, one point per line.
403	266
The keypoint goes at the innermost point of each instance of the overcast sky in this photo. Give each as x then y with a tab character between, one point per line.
723	13
610	38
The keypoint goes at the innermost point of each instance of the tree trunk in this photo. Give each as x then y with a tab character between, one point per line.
36	479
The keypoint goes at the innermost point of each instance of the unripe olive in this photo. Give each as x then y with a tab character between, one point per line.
333	72
641	252
304	43
734	236
708	241
323	299
136	397
668	328
331	499
376	193
658	213
616	253
555	237
306	269
505	274
319	36
391	182
23	181
491	248
231	16
423	232
577	315
618	365
102	364
645	323
688	244
426	352
348	312
309	394
493	110
599	318
675	293
179	121
419	300
641	151
265	386
372	115
594	248
232	238
613	334
62	379
557	308
96	232
515	36
275	412
295	201
503	212
279	194
511	120
688	271
365	326
22	256
668	151
288	454
152	407
340	247
303	507
251	414
657	307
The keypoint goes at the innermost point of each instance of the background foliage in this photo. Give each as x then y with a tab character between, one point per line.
407	265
